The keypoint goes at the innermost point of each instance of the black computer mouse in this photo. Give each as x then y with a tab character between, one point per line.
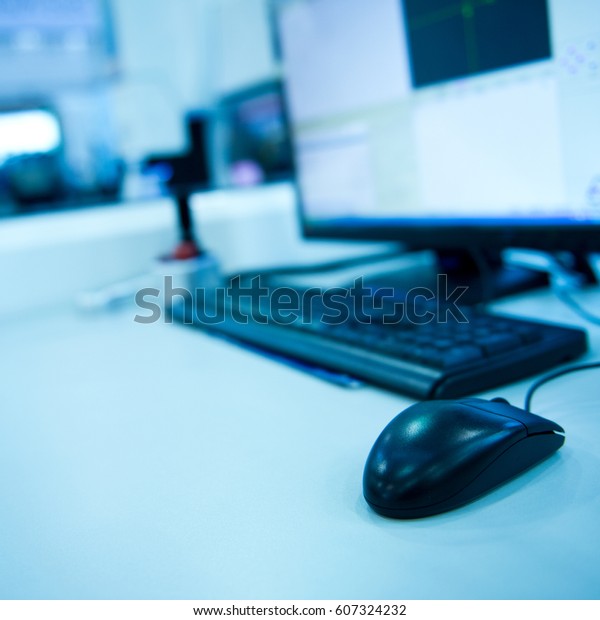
439	455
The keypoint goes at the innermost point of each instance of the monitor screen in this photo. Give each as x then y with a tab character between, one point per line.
256	142
28	132
437	119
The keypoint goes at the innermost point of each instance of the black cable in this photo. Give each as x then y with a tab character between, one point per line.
555	375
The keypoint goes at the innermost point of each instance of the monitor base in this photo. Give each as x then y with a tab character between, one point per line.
483	275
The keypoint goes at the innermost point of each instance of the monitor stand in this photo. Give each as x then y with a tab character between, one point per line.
486	276
482	273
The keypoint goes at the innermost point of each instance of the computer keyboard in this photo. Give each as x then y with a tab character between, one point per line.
440	358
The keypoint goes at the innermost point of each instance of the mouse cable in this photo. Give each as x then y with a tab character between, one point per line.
555	375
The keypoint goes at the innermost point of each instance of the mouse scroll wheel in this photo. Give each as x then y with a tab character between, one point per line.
500	400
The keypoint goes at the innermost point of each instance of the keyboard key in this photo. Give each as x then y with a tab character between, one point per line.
436	360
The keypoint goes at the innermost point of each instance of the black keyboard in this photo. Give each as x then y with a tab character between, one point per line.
441	358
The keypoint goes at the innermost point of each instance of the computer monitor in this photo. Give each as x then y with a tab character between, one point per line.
446	124
255	140
28	132
31	144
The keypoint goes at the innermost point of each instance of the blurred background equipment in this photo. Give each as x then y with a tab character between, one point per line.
63	55
187	171
252	144
31	144
123	94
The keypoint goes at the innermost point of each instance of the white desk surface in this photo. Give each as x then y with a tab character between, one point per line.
156	462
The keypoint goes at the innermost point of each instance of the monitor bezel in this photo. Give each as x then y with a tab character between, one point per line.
549	237
574	237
